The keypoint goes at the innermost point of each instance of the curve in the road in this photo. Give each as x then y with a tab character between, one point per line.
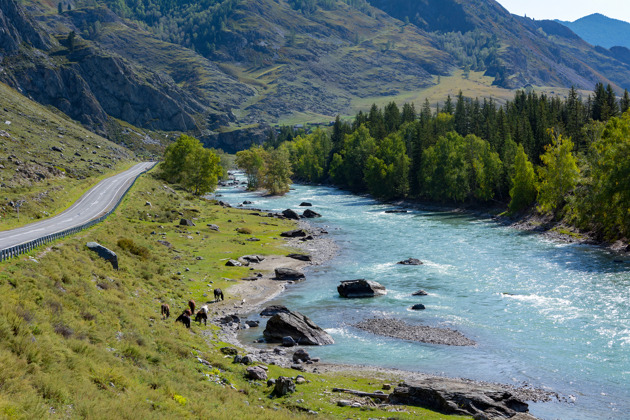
95	203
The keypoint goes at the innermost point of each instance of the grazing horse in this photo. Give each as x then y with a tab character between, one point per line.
191	304
201	315
184	319
188	313
204	308
166	311
218	295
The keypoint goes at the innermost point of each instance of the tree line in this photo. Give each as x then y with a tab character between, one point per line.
568	157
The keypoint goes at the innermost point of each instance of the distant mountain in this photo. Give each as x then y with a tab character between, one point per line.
601	30
224	70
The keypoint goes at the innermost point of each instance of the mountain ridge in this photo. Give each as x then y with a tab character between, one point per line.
599	29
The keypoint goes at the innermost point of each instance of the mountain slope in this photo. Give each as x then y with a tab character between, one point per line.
531	52
601	30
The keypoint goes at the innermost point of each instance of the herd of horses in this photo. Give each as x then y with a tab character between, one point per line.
200	315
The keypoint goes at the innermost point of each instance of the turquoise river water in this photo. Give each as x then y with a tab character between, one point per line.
543	313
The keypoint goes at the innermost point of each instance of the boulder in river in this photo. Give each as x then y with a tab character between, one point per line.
310	214
410	261
360	289
305	204
396	211
104	253
290	214
274	309
450	396
418	307
283	273
297	233
297	326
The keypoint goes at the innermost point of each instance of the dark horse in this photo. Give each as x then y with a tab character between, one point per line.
191	303
218	295
166	311
184	319
201	315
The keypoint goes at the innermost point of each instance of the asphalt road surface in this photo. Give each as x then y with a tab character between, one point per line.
93	204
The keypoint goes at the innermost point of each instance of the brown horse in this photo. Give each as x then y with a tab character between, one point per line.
201	316
191	304
166	311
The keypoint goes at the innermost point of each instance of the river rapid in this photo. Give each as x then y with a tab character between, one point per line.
547	314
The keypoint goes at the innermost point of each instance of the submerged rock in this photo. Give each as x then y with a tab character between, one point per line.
419	293
418	307
297	326
410	261
360	289
305	204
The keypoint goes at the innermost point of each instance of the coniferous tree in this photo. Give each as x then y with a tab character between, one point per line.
624	104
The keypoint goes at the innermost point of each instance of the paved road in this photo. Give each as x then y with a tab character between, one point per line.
93	204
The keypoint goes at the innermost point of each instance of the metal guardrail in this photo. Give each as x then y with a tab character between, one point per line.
16	250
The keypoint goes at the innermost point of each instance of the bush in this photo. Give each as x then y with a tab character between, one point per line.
135	249
244	231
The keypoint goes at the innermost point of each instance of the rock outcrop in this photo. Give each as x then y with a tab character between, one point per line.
289	274
104	253
297	326
297	233
274	309
360	289
449	396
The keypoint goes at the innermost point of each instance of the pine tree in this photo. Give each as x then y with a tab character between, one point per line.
625	102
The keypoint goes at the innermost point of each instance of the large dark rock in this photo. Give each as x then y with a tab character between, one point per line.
360	289
104	253
256	373
186	222
410	261
290	214
283	386
301	355
289	274
419	293
297	233
298	326
274	309
310	214
305	204
418	307
300	257
449	396
252	259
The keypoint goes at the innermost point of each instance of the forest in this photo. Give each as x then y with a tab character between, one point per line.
567	158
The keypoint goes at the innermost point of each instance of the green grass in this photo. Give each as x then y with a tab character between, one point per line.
79	339
32	133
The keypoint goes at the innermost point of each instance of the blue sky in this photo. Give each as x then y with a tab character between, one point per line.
568	9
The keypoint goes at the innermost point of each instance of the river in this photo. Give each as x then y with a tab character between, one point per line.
547	314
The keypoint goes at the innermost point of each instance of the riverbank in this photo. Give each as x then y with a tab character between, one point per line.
251	297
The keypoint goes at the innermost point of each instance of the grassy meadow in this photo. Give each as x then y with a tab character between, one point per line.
79	339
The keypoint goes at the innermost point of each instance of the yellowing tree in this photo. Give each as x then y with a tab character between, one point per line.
558	175
523	191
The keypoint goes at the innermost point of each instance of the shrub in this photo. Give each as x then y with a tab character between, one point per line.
135	249
244	230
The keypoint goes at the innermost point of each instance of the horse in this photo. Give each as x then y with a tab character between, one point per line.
184	319
191	303
201	315
204	308
218	294
188	313
166	311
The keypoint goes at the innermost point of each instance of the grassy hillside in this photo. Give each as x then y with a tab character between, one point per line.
79	339
47	160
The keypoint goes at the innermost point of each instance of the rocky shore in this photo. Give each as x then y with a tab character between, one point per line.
252	295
